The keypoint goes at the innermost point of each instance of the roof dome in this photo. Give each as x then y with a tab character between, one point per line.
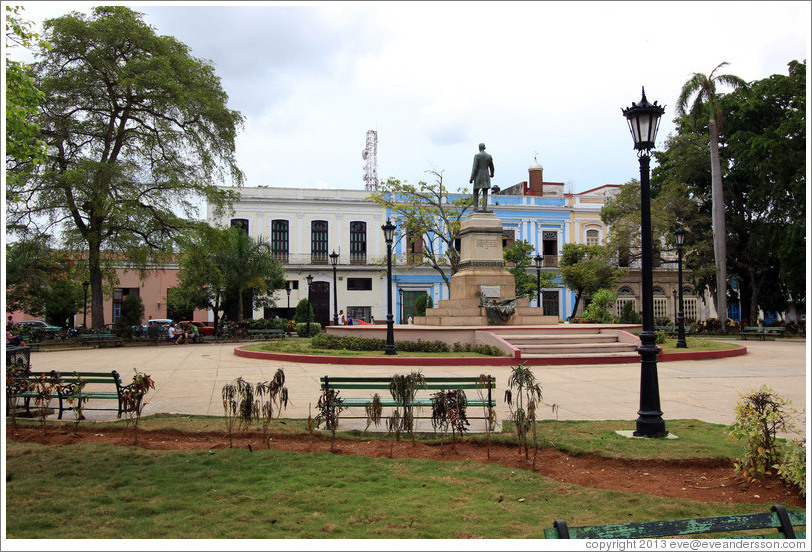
535	166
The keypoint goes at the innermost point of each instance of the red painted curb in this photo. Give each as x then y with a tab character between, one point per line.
483	361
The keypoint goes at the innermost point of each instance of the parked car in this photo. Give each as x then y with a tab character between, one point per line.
358	322
38	325
37	329
160	322
201	327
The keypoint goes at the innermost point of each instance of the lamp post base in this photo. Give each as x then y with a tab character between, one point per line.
650	421
650	426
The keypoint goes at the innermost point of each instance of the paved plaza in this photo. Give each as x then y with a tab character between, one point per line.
189	380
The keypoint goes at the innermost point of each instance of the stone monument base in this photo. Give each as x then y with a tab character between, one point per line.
482	278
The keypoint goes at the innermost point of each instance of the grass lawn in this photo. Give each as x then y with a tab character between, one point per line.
107	491
696	344
302	347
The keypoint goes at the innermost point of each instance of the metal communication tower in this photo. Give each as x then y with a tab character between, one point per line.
370	155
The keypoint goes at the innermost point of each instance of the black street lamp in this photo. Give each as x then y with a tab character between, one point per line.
84	316
287	289
401	311
334	262
538	259
309	310
644	119
679	236
389	236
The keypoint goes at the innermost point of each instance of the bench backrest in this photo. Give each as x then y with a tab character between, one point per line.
778	519
70	378
432	383
435	383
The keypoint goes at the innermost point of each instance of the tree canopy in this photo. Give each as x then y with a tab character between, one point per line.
518	258
587	268
762	148
217	264
426	213
137	132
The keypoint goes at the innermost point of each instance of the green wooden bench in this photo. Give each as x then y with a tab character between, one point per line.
68	388
265	334
380	385
762	332
100	339
779	521
672	330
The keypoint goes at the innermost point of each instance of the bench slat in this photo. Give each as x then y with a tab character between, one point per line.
681	527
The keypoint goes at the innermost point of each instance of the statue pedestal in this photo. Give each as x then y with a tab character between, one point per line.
481	275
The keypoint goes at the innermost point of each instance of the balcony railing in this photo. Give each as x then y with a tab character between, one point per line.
358	258
318	257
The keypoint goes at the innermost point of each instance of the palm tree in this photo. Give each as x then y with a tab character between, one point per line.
251	265
706	101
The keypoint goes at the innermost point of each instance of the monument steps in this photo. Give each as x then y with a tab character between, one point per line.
559	349
553	338
631	356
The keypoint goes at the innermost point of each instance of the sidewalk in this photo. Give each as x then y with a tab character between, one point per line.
189	380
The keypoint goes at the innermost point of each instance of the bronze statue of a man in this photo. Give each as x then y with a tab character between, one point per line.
481	176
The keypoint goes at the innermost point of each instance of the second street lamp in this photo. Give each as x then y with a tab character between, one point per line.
389	236
644	119
679	236
334	262
309	308
538	259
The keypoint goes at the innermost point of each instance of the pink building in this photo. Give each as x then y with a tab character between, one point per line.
152	290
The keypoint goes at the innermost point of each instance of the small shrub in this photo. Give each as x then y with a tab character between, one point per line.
374	412
662	321
403	389
598	308
301	329
661	337
302	309
628	315
238	403
760	415
132	398
330	406
422	303
45	387
448	409
792	467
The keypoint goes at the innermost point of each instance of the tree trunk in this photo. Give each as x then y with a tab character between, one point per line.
719	231
95	279
240	316
755	289
575	306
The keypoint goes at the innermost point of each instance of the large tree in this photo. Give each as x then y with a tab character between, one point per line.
23	143
427	213
764	144
137	129
706	102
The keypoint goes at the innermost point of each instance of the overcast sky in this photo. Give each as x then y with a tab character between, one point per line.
435	79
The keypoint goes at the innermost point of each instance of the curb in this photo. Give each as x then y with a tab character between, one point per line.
482	361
